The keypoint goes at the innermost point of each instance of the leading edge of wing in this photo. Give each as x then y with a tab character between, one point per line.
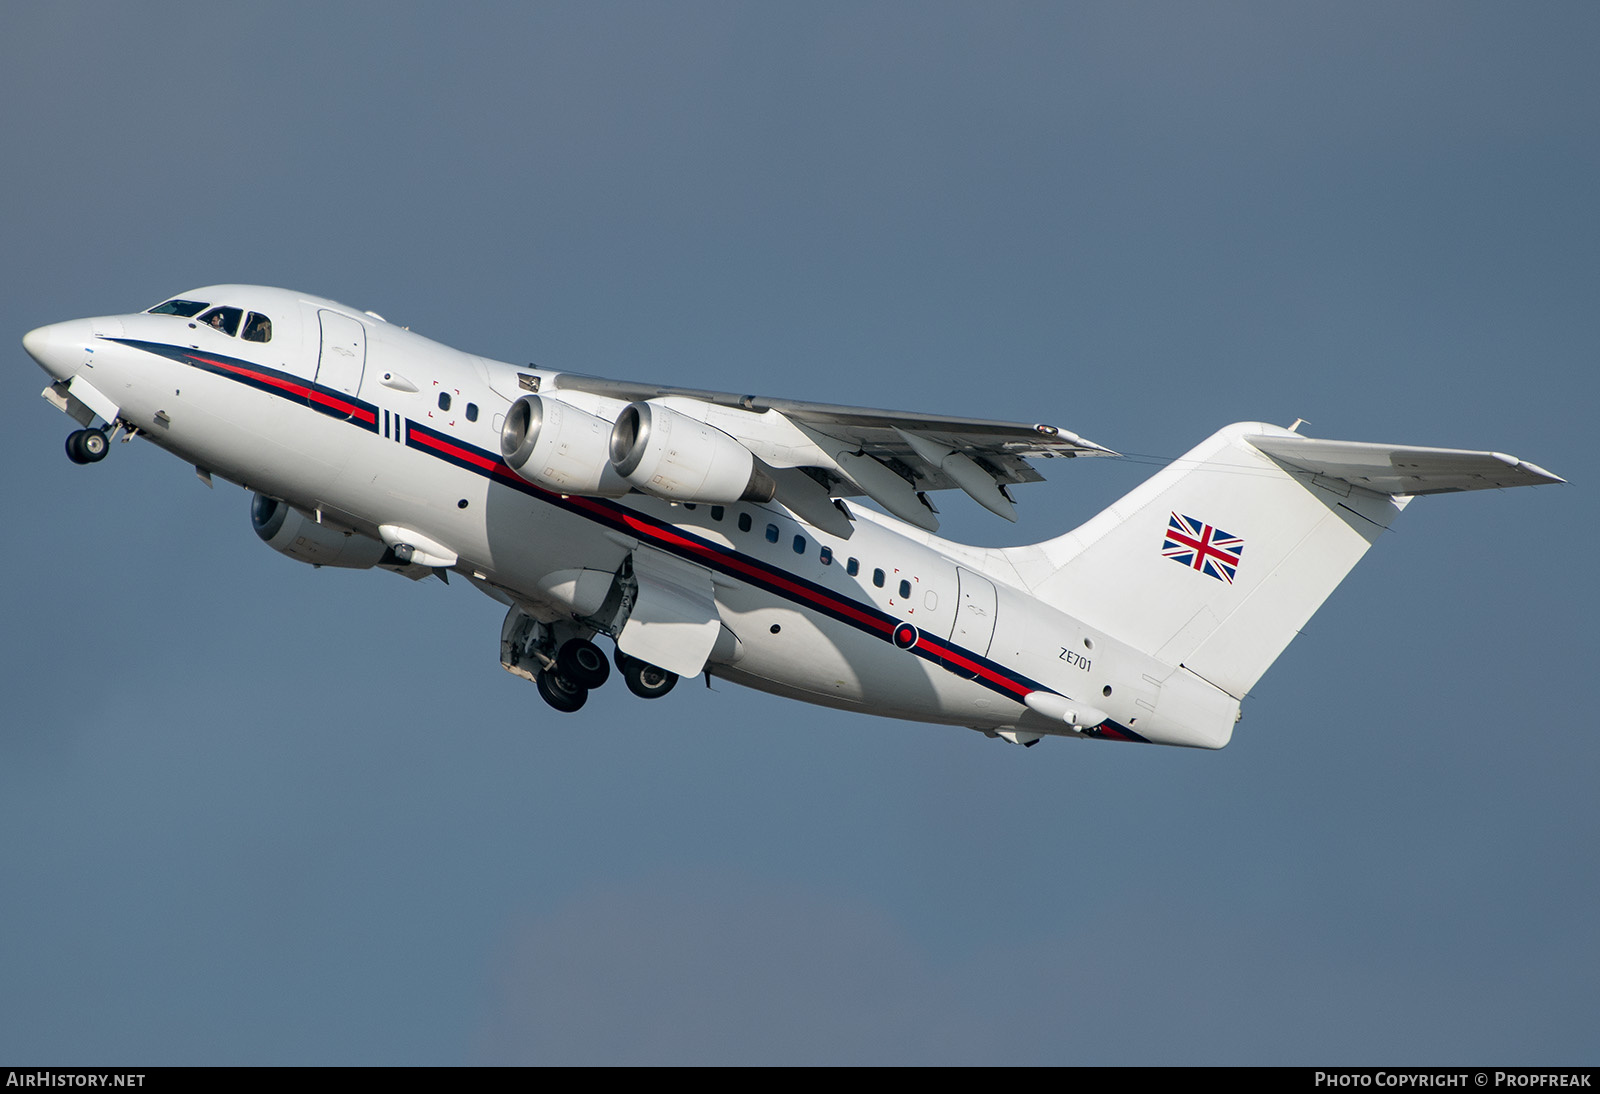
1018	438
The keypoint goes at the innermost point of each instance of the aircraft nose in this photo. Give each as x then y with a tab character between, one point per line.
59	348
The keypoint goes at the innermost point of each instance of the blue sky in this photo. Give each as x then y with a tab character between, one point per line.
255	813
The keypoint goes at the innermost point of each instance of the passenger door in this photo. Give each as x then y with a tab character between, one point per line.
975	613
341	362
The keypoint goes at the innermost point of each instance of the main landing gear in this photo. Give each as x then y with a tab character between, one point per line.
560	692
581	667
644	679
566	673
87	445
582	662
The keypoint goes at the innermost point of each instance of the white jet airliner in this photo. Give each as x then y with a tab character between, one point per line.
707	532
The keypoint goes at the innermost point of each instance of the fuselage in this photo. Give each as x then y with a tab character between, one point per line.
368	427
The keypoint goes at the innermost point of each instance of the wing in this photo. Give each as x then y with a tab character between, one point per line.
893	457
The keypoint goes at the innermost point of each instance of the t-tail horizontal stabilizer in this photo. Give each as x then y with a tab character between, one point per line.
1215	564
1398	469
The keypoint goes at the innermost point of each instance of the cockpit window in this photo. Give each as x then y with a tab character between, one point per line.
258	328
186	308
224	319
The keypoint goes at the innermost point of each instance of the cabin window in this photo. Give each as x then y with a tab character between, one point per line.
826	554
472	412
225	320
186	308
853	567
905	590
799	545
744	522
257	328
772	533
877	578
717	511
444	400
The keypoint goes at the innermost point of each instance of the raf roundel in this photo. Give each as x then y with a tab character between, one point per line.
905	636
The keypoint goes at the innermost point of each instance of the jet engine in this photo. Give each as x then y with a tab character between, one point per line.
559	447
290	532
671	455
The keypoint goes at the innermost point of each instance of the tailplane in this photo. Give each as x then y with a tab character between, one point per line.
1217	561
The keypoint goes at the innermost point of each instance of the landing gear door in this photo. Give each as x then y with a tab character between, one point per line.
341	362
674	622
975	612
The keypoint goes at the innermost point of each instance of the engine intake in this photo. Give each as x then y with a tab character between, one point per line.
557	446
664	452
290	532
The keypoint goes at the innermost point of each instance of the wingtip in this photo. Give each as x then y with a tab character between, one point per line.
1086	447
1532	470
1540	473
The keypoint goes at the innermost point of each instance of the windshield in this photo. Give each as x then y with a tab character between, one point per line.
258	328
186	308
224	319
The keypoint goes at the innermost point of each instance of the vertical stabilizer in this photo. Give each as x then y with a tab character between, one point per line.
1217	561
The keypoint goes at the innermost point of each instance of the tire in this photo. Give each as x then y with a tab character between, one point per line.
94	445
581	662
75	451
560	692
646	680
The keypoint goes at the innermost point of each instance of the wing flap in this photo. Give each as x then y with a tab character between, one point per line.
977	481
674	622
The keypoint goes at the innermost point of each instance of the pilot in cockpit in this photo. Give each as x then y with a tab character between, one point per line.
258	328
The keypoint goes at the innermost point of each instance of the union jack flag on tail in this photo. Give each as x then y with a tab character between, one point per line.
1202	547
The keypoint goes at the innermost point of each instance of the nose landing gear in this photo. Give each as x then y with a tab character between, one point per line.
87	445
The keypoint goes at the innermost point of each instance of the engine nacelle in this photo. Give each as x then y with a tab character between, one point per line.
290	532
559	447
671	455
